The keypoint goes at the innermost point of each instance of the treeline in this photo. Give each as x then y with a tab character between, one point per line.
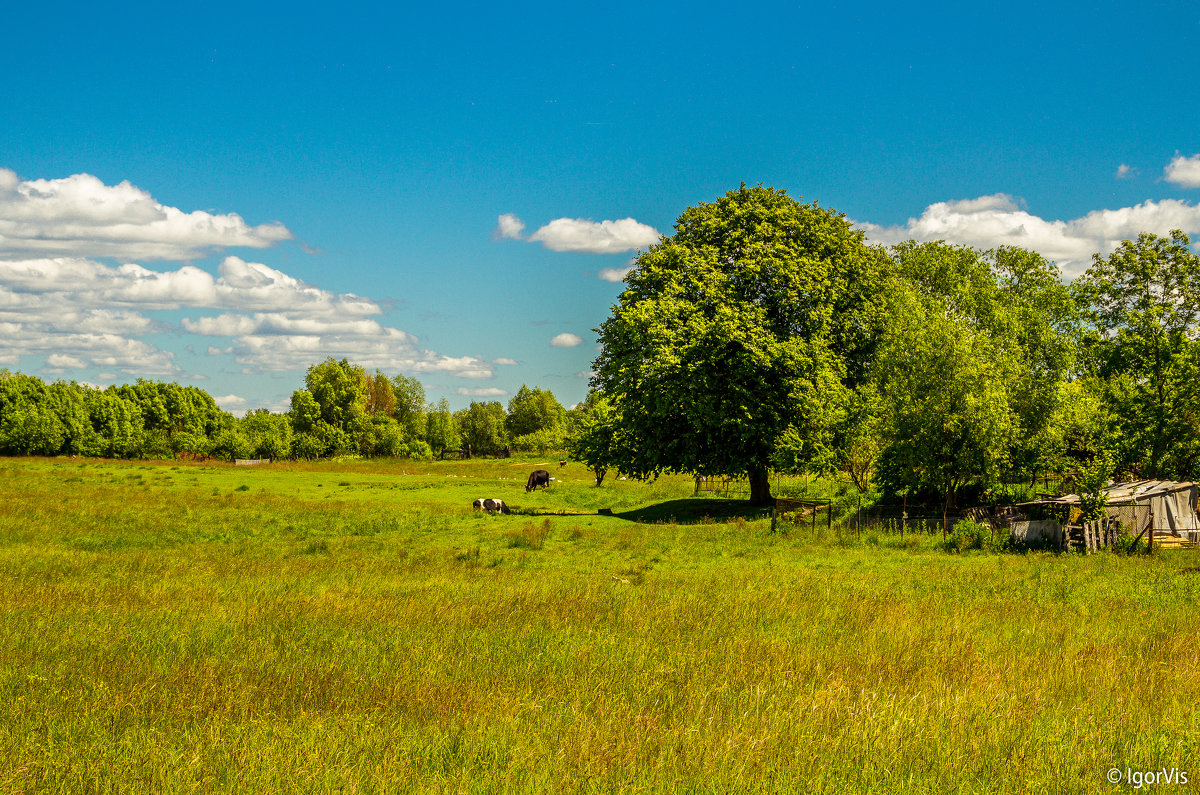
342	410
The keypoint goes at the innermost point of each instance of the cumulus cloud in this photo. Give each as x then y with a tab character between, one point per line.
615	274
504	360
585	374
998	220
1125	171
274	321
566	340
604	237
80	216
1183	171
489	391
230	402
508	226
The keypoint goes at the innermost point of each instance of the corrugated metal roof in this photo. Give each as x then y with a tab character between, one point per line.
1124	493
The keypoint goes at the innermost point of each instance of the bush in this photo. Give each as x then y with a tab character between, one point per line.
969	535
417	449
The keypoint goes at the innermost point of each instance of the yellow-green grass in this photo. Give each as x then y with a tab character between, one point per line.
358	627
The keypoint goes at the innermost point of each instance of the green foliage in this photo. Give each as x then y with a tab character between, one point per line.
945	402
387	437
411	409
592	437
482	427
231	444
1142	305
1091	480
532	411
540	441
755	318
967	535
441	429
339	390
971	370
268	435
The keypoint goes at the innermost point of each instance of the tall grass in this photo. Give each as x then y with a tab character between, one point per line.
303	635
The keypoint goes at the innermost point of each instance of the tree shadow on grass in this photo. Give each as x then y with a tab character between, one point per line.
694	511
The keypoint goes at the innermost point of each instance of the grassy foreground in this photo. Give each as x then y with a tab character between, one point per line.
357	627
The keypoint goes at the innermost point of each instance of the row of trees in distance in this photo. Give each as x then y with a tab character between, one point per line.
342	410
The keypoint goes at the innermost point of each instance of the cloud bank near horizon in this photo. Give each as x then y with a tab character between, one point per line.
58	301
1000	220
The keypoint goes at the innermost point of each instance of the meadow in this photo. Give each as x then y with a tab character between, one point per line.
357	627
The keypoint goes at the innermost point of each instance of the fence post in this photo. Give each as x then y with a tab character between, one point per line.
1150	541
774	511
860	516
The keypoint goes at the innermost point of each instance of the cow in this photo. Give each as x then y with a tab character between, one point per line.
490	505
539	477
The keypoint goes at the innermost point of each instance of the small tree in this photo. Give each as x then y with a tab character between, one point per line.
592	437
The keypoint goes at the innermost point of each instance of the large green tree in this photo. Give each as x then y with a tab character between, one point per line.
753	321
1143	309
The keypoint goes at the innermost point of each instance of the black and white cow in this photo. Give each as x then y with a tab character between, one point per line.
539	477
490	505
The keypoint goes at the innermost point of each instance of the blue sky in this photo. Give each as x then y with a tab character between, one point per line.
223	194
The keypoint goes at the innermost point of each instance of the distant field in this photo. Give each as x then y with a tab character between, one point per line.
357	627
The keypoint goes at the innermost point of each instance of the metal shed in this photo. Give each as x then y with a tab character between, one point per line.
1168	506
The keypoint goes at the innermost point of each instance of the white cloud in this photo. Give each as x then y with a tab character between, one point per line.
997	220
64	362
566	340
585	374
1183	171
509	226
504	360
230	402
615	274
80	216
1125	171
490	391
275	322
604	237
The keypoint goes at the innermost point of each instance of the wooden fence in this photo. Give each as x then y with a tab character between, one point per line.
799	508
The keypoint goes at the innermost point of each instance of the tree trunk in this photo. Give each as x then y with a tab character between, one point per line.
760	486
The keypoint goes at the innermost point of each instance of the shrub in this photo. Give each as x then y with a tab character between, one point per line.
968	535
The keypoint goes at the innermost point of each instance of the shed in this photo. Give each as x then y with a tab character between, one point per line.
1169	505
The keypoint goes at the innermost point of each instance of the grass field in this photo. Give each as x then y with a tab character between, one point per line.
357	627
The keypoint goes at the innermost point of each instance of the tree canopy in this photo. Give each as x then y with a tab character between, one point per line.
752	322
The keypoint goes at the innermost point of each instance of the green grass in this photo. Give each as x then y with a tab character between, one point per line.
357	626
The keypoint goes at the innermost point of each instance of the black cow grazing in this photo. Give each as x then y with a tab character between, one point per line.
490	505
539	477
